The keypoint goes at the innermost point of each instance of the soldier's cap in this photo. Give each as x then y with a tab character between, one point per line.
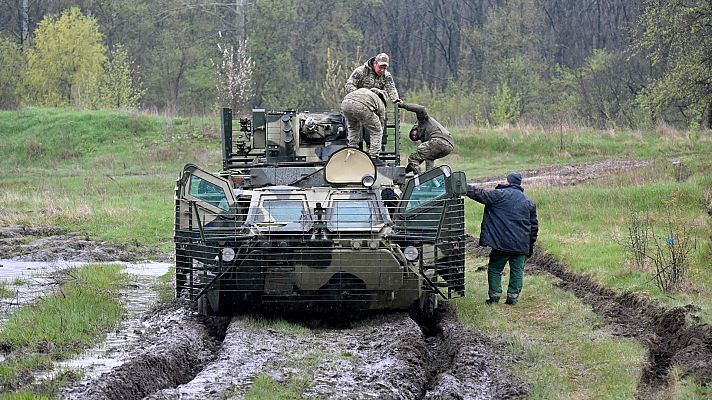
514	178
382	59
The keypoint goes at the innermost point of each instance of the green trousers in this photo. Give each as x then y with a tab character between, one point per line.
497	261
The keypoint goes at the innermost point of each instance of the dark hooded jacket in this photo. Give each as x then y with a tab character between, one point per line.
427	126
510	222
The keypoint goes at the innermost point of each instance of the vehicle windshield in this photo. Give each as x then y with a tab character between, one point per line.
356	213
208	192
286	211
427	191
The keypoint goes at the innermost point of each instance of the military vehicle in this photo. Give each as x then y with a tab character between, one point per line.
296	221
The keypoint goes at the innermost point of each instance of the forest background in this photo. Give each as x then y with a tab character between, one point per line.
602	63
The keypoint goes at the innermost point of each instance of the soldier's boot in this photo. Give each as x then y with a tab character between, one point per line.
378	162
492	300
512	299
412	168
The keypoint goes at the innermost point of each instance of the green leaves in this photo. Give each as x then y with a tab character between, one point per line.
67	60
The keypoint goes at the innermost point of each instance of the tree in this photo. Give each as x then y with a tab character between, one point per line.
234	77
117	88
12	65
676	36
66	61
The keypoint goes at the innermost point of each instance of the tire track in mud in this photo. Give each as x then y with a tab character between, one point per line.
385	356
175	347
671	338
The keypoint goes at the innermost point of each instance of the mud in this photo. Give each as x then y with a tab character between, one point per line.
568	175
386	356
22	243
171	350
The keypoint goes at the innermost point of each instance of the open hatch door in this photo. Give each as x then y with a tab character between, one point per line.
431	216
206	204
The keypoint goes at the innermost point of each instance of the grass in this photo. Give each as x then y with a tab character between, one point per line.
61	324
564	349
6	291
163	285
111	175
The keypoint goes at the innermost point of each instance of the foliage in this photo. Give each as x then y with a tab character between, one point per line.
505	105
66	61
601	90
668	249
12	65
333	90
677	38
117	88
234	77
452	106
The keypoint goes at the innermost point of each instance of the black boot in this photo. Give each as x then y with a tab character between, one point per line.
378	162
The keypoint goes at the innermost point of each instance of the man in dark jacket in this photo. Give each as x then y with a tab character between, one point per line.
435	141
510	227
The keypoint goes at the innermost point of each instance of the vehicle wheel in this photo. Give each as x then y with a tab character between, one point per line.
204	307
424	311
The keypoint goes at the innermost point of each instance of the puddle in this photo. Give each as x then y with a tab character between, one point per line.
31	278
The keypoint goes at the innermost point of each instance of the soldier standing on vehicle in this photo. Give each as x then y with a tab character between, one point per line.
435	141
373	74
367	108
510	227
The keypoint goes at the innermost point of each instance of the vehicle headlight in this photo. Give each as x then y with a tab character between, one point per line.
368	180
228	254
411	253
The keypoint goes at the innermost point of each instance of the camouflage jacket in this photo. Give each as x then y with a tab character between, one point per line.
427	126
370	99
365	77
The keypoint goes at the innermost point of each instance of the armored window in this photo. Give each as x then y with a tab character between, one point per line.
426	191
354	213
208	192
285	211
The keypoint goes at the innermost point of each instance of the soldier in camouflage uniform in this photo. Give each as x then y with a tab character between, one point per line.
367	108
435	141
373	74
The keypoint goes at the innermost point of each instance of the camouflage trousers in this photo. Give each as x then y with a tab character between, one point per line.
357	115
429	151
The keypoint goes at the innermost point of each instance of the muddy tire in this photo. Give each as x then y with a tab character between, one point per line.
203	305
424	310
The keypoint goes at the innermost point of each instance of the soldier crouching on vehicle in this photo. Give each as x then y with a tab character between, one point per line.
367	108
435	141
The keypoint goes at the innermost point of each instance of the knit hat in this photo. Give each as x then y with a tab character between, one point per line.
514	178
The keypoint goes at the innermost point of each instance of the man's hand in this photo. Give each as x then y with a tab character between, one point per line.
398	101
531	247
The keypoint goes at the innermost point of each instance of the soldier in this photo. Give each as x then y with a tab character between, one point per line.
373	74
367	108
435	141
510	227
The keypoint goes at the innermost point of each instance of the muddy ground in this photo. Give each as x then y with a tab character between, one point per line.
385	356
172	353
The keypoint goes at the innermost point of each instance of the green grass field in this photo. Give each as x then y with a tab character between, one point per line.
112	174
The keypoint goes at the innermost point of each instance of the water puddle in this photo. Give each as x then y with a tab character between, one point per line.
30	280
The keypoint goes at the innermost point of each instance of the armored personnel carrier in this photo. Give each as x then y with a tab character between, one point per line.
296	221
